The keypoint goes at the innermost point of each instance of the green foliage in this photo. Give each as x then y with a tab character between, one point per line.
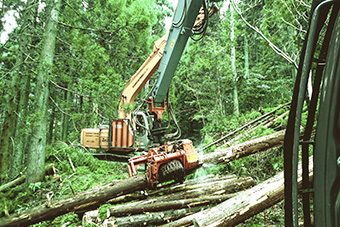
71	218
103	211
63	155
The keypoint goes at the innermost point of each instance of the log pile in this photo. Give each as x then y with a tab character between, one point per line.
220	201
244	205
195	202
170	203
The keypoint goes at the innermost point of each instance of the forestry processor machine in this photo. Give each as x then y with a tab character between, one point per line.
319	63
143	129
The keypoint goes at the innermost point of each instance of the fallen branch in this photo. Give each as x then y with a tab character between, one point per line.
49	170
13	183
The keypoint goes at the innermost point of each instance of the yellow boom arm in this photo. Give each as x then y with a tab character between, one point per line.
139	79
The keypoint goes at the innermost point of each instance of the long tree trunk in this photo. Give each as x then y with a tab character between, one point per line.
233	63
29	19
154	218
244	149
243	206
6	140
246	57
130	209
248	203
36	156
65	116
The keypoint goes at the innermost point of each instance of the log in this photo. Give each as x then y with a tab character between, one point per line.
154	218
209	178
13	183
131	209
276	119
249	124
214	190
81	202
245	149
142	195
49	170
127	198
192	184
191	191
245	205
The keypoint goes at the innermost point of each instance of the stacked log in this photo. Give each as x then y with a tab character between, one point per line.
174	204
171	203
243	206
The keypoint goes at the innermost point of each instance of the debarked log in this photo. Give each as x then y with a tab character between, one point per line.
131	209
154	218
229	186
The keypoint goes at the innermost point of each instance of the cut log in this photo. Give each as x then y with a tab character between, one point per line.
142	195
127	198
130	209
192	184
155	218
191	191
243	206
162	198
81	202
276	119
209	178
244	149
250	124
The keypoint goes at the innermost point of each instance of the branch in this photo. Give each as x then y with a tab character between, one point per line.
305	4
275	48
63	88
299	29
59	107
85	29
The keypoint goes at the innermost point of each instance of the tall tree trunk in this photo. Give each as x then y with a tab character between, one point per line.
36	156
11	135
65	117
6	139
51	126
20	132
233	62
24	87
246	57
